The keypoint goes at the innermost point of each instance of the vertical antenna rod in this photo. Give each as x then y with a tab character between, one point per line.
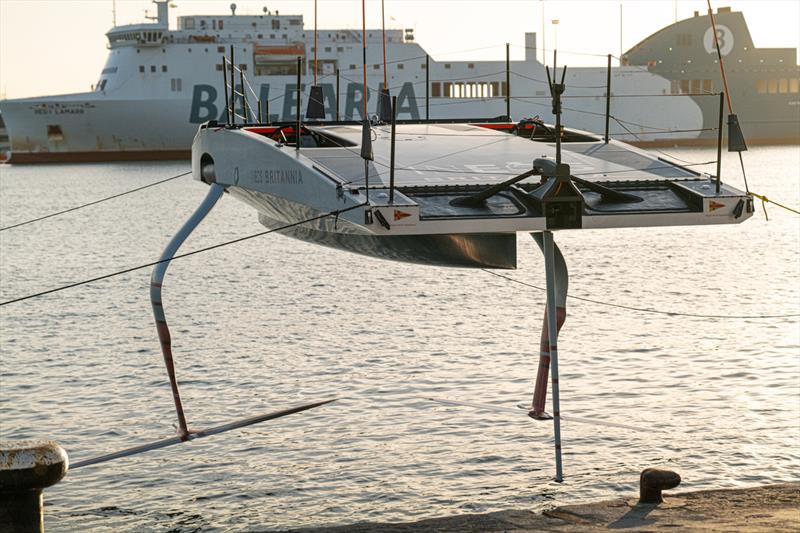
315	42
508	82
719	139
427	87
366	131
383	37
233	91
299	105
245	103
364	54
608	94
337	94
225	90
384	99
719	56
391	157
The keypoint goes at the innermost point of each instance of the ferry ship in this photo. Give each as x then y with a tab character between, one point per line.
159	84
764	82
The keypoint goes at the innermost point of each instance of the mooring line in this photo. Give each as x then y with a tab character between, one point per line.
642	309
95	202
180	256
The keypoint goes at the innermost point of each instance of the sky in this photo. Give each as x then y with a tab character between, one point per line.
59	46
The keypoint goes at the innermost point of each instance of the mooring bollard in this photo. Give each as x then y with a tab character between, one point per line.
652	481
26	468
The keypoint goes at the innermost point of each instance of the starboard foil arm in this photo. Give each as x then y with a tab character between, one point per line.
156	282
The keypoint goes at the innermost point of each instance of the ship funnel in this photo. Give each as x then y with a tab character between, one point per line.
162	12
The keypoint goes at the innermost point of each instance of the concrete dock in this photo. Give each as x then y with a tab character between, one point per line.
772	508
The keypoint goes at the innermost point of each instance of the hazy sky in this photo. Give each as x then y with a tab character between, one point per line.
52	47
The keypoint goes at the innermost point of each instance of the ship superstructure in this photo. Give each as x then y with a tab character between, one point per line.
160	83
764	82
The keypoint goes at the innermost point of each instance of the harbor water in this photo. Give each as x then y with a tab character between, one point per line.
272	322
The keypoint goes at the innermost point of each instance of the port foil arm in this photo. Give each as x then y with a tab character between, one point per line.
156	283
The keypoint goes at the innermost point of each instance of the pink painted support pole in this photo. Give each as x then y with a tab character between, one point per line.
562	282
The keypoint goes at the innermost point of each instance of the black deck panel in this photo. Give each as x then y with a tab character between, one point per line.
626	156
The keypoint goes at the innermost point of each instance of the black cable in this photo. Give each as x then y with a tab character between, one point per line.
641	309
94	202
180	256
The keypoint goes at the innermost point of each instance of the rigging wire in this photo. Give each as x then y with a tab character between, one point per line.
335	213
642	309
95	202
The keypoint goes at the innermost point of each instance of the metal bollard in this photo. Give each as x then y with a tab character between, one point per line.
652	481
26	468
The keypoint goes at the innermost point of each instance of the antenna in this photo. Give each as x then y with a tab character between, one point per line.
366	131
316	105
736	142
556	90
114	13
384	100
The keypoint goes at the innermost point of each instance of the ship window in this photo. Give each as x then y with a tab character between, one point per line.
708	86
271	35
696	84
504	88
793	85
54	133
219	67
284	36
352	67
276	24
265	66
470	65
327	48
296	22
447	65
102	85
376	66
772	86
674	87
220	24
684	86
109	70
448	89
783	85
152	68
141	68
172	84
496	88
340	48
243	67
214	24
260	35
221	49
761	86
188	23
422	66
436	90
163	68
326	66
400	66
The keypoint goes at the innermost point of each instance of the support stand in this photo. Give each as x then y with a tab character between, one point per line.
557	282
